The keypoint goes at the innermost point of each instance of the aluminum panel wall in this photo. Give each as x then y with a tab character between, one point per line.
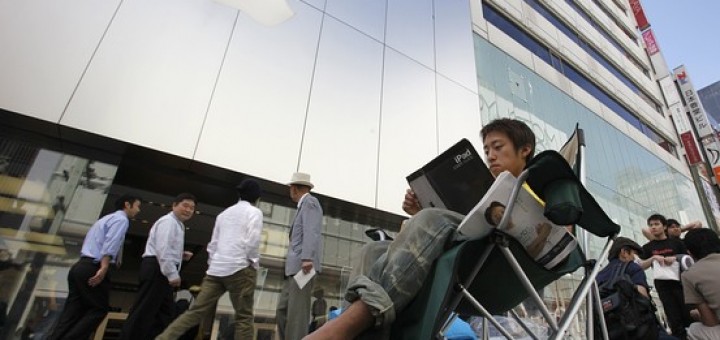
44	54
255	121
408	135
340	142
151	80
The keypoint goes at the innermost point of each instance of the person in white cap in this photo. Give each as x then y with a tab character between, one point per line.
304	251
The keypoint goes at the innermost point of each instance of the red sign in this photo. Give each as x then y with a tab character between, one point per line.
642	21
691	149
650	43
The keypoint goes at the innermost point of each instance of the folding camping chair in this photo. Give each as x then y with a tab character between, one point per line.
490	276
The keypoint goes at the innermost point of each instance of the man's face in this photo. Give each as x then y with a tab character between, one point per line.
501	154
674	230
656	228
627	255
496	214
295	193
132	209
184	209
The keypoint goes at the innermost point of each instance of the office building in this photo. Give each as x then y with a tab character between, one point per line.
98	98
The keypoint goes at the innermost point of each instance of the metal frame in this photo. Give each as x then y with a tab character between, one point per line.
587	290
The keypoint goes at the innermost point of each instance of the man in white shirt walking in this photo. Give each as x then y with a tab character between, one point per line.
154	307
233	259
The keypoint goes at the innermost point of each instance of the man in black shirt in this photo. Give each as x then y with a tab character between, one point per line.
661	252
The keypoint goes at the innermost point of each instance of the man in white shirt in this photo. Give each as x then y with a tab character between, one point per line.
233	259
154	307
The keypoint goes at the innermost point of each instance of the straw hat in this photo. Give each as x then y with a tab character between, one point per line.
301	178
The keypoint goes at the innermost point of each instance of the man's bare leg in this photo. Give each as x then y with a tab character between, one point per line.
347	325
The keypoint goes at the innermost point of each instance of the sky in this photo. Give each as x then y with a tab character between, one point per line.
687	33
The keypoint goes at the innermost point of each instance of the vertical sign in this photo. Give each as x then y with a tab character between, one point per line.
699	118
640	18
650	43
712	150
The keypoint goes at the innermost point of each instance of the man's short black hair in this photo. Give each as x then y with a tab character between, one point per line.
129	198
249	190
658	217
184	196
517	131
672	221
702	242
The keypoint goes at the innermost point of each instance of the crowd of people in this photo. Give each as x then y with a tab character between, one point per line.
233	261
386	276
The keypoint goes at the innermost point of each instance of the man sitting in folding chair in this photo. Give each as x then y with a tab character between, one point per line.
398	273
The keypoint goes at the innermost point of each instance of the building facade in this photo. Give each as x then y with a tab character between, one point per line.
710	97
162	97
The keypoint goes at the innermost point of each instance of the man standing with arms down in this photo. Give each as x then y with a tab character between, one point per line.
304	250
154	306
661	252
233	260
701	283
89	278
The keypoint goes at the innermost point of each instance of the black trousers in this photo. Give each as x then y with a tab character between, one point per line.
671	296
85	306
154	307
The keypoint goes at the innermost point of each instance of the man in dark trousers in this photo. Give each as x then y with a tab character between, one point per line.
89	278
154	306
658	253
304	251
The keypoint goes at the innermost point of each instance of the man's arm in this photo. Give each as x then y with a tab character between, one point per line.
100	274
312	232
691	225
166	242
707	316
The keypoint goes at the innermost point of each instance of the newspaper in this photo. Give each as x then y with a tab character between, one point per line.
544	241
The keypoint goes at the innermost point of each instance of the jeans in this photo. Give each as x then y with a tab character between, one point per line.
390	274
241	286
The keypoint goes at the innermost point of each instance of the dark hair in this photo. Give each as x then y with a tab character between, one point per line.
249	190
671	221
657	217
517	131
129	198
702	242
184	196
621	243
488	211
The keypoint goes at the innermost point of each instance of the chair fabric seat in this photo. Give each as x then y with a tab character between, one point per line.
496	287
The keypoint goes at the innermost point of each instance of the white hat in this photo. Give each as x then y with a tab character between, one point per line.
301	178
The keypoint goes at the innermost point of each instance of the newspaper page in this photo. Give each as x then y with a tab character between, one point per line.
544	241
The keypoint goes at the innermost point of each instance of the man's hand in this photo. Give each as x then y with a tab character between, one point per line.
669	260
411	205
174	283
306	266
187	255
98	277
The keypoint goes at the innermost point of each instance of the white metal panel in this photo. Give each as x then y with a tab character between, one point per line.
458	115
454	49
408	135
340	143
45	46
151	80
367	16
256	118
410	29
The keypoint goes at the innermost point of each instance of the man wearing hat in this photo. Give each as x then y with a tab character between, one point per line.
304	250
233	259
623	251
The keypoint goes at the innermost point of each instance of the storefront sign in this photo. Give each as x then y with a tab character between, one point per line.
712	151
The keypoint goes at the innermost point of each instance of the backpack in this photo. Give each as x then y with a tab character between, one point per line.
628	314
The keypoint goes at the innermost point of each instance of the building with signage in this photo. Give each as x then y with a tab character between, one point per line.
710	98
102	98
